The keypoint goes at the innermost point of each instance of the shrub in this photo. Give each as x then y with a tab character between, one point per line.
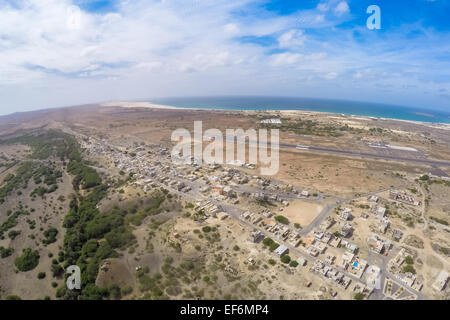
282	219
359	296
293	264
273	246
28	260
13	234
5	252
267	241
409	260
272	262
409	268
57	270
41	275
285	259
127	290
50	235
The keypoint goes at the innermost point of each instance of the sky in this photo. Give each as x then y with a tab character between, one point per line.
69	52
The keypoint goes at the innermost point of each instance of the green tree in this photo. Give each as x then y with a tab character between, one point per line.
285	259
28	260
359	296
282	219
267	241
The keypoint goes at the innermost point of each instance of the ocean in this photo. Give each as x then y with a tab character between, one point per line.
308	104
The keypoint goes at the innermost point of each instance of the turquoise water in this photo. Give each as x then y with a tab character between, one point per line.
308	104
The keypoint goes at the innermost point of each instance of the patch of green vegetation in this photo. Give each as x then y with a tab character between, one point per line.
50	175
409	260
84	175
48	143
12	221
50	235
13	234
273	246
18	180
285	259
309	127
267	241
293	264
206	229
441	221
282	219
153	209
28	260
408	268
31	224
41	191
6	252
359	296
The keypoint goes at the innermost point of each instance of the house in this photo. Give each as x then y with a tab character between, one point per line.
281	250
384	225
352	247
271	121
403	197
381	212
373	278
345	260
377	244
346	214
320	246
327	223
312	251
397	234
334	241
222	215
226	191
441	281
346	230
301	262
256	236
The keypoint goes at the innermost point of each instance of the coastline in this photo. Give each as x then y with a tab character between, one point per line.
143	104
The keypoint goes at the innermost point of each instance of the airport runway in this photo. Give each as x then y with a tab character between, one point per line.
433	163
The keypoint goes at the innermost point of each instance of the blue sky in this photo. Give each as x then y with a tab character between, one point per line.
66	52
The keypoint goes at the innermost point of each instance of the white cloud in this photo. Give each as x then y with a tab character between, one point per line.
342	8
292	38
323	7
231	28
286	58
330	75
